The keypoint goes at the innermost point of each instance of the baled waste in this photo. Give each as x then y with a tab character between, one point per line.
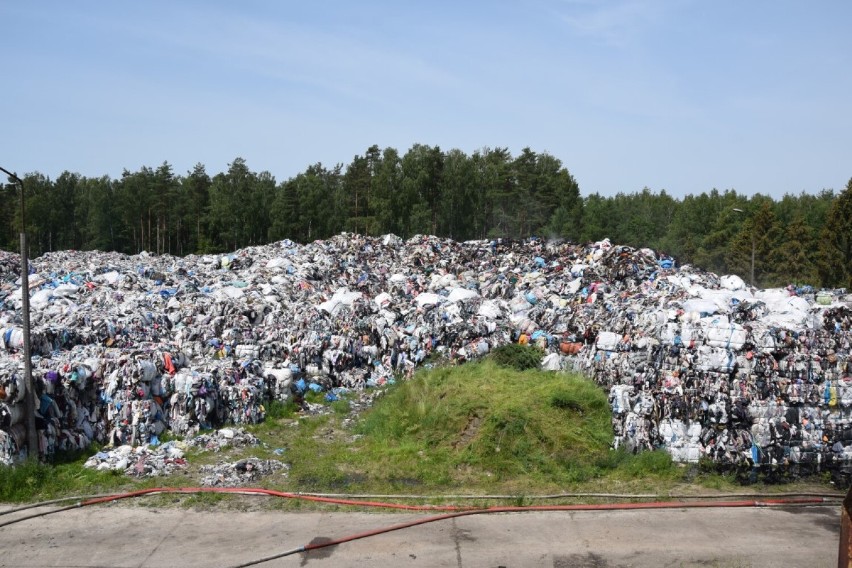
128	347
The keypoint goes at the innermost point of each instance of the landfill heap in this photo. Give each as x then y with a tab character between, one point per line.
224	438
246	471
141	461
126	347
152	460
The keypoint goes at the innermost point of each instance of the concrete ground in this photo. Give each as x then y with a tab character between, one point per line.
139	537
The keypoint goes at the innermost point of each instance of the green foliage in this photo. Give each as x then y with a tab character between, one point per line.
314	397
581	403
202	500
36	481
515	356
276	409
340	407
796	258
835	251
755	247
491	193
623	465
657	463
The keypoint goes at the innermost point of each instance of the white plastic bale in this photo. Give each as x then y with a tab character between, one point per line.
732	282
519	305
147	370
247	351
461	295
11	414
66	291
551	362
13	338
426	299
382	300
607	340
701	306
724	334
489	309
41	298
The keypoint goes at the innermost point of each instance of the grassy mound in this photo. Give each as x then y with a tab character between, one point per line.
475	427
493	421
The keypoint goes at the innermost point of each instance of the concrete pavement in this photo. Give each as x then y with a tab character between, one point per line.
140	537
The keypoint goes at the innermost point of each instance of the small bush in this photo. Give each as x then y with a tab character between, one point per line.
515	356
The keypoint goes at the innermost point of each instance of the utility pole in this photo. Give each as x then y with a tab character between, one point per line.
29	400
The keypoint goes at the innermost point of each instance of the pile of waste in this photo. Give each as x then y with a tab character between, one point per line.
155	459
128	347
224	438
240	473
141	461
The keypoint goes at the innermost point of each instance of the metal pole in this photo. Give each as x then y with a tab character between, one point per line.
32	435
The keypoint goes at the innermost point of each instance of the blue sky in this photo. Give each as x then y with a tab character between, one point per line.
679	95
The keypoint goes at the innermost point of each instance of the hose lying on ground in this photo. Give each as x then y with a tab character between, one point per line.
451	511
466	497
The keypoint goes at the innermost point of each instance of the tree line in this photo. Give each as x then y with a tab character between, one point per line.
803	239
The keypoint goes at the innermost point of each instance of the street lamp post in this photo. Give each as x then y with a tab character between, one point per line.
32	436
752	247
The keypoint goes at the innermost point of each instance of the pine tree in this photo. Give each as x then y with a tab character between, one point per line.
835	248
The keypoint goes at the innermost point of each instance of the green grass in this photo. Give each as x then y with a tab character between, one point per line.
515	356
477	427
34	481
276	409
